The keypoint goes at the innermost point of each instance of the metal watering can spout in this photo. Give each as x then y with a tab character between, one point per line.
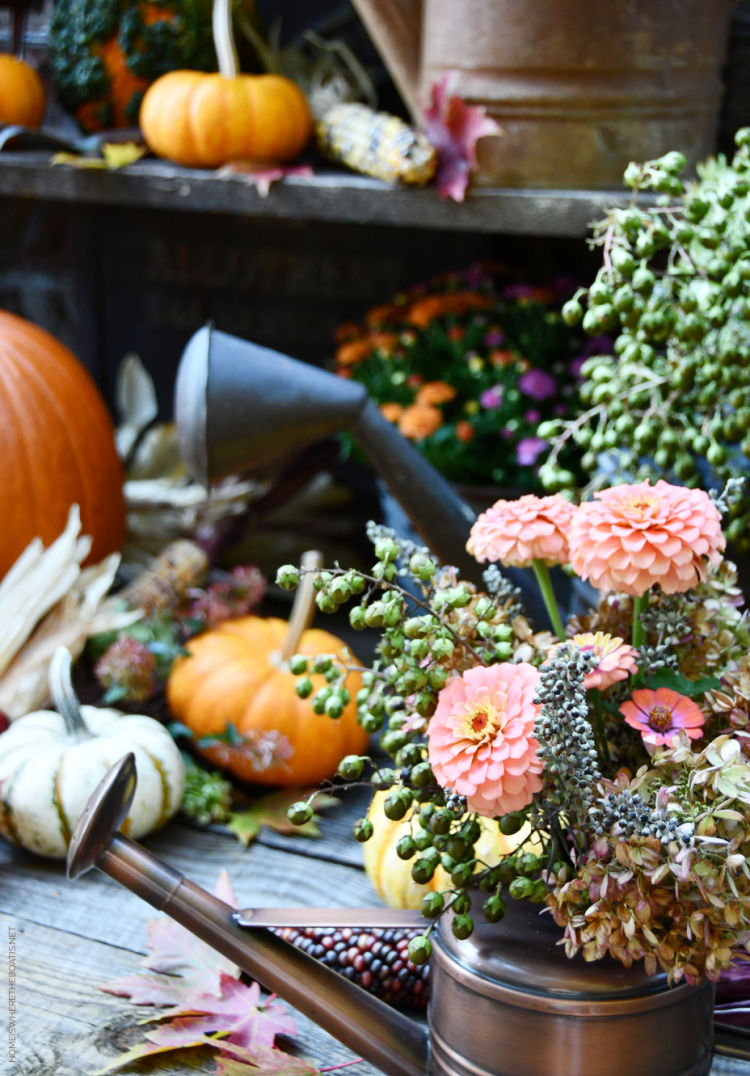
379	1033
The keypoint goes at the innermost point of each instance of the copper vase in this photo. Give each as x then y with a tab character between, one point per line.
509	1002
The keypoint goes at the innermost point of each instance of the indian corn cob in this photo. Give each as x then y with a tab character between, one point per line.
375	144
375	959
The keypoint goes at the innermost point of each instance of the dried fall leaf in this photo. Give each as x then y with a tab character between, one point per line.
271	810
454	128
262	176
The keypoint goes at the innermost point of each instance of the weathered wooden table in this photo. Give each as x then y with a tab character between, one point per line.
71	938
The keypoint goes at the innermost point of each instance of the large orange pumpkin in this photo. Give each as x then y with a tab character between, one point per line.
57	446
233	674
22	96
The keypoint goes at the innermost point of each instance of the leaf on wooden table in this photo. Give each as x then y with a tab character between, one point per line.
113	156
262	176
182	962
271	810
261	1061
210	1005
454	128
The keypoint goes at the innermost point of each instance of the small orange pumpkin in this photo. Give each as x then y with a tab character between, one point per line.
22	96
207	120
234	674
57	446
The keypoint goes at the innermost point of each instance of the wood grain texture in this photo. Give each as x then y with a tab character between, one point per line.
339	197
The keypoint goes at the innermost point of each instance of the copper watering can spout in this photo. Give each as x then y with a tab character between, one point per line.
369	1027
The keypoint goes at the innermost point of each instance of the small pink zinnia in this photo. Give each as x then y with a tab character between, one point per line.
659	715
481	741
615	658
521	531
631	537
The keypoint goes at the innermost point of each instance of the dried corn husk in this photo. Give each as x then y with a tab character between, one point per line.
376	144
47	600
163	504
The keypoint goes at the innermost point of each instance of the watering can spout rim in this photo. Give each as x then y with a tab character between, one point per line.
394	1042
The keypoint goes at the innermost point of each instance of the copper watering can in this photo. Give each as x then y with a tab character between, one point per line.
507	1002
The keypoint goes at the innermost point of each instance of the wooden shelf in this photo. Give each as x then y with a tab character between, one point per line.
326	196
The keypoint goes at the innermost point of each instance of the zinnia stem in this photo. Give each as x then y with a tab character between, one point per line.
541	572
639	632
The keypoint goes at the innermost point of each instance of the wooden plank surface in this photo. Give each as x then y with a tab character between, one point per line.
327	196
72	937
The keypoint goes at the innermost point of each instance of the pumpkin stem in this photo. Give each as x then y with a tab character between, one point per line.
303	608
226	53
64	698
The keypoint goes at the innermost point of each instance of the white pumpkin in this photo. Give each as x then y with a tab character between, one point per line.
50	763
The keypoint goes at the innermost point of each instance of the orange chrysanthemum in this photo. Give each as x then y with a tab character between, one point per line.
426	310
392	412
615	659
519	532
481	737
464	431
357	350
435	392
419	421
634	536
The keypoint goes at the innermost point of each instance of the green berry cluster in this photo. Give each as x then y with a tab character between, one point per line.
433	625
672	399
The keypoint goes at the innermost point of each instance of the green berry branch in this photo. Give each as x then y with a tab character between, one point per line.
671	397
430	629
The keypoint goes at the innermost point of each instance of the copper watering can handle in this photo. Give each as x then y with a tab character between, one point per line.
364	1023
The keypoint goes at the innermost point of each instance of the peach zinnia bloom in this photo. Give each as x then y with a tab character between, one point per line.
615	658
632	537
435	392
659	715
419	421
519	532
481	738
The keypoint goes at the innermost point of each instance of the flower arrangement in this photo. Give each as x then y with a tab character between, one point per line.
467	366
669	396
615	750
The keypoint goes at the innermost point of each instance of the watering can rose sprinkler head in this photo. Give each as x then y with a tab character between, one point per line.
361	1021
239	406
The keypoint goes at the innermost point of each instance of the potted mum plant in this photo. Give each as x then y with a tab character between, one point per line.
467	366
671	396
614	750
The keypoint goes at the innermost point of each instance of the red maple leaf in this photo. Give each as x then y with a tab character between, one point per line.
454	128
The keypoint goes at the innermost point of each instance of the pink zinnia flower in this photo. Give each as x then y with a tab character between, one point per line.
615	658
481	741
659	715
518	532
631	537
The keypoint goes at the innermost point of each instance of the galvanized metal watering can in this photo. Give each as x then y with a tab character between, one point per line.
507	1002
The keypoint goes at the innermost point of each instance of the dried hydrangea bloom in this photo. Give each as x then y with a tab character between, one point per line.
521	531
659	715
481	742
616	659
631	537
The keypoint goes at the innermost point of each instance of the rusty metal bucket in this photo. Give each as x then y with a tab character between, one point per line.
579	89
